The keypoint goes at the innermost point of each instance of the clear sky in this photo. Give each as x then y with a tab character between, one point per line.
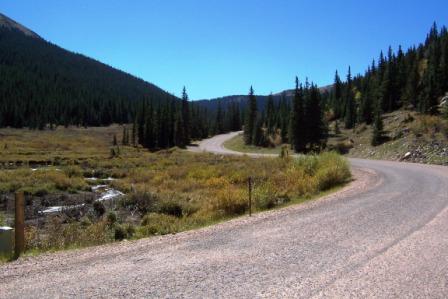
217	48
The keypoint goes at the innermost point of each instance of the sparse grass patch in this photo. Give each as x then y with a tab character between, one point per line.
430	126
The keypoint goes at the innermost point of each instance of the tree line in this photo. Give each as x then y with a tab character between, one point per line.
43	85
415	80
300	123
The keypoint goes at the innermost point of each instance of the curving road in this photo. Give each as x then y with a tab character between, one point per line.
384	236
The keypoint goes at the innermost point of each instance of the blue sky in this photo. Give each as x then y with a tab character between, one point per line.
217	48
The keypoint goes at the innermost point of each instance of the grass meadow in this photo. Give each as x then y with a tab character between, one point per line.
165	192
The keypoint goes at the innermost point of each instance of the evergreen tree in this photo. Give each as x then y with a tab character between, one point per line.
219	123
134	133
186	118
337	96
251	117
141	124
297	131
350	110
179	137
284	116
315	129
377	134
259	137
123	138
149	135
270	115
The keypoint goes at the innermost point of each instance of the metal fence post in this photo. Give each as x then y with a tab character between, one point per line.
249	183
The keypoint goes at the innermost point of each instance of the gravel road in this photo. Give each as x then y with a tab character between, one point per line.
385	235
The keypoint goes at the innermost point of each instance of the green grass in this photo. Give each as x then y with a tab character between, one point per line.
237	144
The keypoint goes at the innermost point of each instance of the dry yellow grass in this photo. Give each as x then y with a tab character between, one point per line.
170	191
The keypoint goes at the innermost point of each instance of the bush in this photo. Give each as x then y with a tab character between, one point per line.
171	207
73	171
333	170
2	219
429	125
159	224
342	147
111	218
144	202
120	232
230	201
99	208
265	197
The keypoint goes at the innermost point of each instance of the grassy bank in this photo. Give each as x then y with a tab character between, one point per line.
421	138
166	192
237	144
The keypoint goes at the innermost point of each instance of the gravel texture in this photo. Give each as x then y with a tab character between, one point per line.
384	235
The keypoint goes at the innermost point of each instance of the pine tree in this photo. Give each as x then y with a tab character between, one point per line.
270	115
219	122
251	117
297	131
337	96
428	97
186	118
284	116
123	139
259	138
179	131
350	110
134	133
141	124
315	129
377	134
149	135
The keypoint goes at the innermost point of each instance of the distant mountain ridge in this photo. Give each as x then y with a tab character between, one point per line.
212	104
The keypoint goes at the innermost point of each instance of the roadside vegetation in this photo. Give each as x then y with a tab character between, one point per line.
165	192
405	136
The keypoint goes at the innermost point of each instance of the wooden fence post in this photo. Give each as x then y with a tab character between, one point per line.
249	183
19	224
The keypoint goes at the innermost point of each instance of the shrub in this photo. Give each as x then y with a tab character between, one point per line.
111	218
120	232
159	224
2	219
230	201
429	125
264	197
333	170
99	208
171	207
284	152
144	202
85	221
73	171
308	163
342	147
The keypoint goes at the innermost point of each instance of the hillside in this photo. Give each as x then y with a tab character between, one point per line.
408	136
45	84
226	101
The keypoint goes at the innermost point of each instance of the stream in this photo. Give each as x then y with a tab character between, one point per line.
104	193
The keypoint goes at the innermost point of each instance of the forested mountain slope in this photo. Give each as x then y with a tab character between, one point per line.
43	84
